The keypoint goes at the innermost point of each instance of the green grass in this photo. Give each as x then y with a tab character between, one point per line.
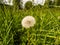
45	32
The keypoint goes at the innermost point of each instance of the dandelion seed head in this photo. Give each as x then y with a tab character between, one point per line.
28	22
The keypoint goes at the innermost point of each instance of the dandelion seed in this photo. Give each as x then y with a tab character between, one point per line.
28	22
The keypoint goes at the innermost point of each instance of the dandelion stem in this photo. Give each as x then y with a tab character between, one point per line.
28	35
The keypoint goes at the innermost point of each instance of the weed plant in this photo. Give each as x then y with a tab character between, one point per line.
45	32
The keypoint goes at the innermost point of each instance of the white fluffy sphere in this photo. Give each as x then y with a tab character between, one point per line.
28	21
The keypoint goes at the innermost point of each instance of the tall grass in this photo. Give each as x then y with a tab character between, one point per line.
45	32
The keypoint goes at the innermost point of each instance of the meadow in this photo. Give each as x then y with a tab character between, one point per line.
45	32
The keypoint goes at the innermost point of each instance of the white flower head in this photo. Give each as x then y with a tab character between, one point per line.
28	22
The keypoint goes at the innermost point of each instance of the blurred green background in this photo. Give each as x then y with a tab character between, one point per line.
45	32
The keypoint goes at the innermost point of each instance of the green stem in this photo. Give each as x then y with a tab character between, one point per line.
28	35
